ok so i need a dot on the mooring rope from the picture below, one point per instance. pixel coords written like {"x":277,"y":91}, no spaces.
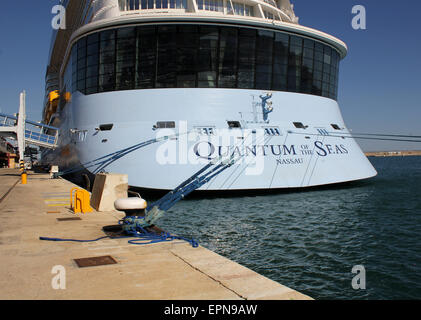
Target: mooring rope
{"x":103,"y":161}
{"x":142,"y":237}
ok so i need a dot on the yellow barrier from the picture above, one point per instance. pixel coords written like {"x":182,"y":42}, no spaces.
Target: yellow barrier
{"x":24,"y":177}
{"x":80,"y":202}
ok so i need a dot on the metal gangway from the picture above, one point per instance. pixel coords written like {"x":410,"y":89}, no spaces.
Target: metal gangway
{"x":27,"y":132}
{"x":35,"y":133}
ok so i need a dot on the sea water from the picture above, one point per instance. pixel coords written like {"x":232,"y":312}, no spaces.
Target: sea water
{"x":311,"y":241}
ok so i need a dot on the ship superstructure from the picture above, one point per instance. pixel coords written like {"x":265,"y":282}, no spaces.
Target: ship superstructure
{"x":221,"y":78}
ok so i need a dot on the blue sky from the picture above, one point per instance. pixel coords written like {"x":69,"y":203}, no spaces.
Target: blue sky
{"x":380,"y":83}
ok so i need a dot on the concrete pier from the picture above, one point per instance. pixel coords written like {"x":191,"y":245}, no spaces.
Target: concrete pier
{"x":394,"y":153}
{"x":164,"y":271}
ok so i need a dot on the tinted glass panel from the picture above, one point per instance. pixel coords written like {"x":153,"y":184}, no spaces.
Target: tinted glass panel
{"x":207,"y":61}
{"x":264,"y":57}
{"x":167,"y":57}
{"x":125,"y":58}
{"x":146,"y":57}
{"x":294,"y":64}
{"x":190,"y":56}
{"x":246,"y":58}
{"x":228,"y":44}
{"x":187,"y":50}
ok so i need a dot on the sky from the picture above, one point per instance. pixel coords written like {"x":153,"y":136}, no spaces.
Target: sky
{"x":379,"y":81}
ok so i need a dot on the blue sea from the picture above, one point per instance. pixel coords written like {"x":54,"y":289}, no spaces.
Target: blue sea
{"x":310,"y":241}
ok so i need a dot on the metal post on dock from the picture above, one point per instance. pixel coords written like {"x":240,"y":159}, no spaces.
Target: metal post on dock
{"x":21,"y":127}
{"x":24,"y":177}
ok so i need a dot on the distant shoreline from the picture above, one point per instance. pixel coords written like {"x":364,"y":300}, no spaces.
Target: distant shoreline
{"x":393,"y":154}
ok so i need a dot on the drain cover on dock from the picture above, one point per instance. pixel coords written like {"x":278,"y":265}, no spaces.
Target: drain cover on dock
{"x":94,"y":261}
{"x":69,"y":219}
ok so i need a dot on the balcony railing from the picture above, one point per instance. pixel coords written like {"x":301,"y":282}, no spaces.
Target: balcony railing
{"x":229,"y":7}
{"x":131,"y":5}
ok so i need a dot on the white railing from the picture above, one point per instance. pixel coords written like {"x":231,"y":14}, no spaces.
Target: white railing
{"x":211,"y":5}
{"x":271,"y":2}
{"x":228,"y":7}
{"x":240,"y":9}
{"x":131,"y":5}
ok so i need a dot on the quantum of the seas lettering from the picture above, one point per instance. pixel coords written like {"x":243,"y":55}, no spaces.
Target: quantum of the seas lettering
{"x":290,"y":161}
{"x":210,"y":151}
{"x":324,"y":150}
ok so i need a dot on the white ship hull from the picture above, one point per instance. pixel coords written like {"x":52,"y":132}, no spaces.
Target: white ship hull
{"x":295,"y":158}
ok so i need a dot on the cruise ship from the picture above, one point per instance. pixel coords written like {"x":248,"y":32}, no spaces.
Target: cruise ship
{"x":207,"y":79}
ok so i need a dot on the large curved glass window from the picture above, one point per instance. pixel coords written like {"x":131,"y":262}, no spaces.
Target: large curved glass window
{"x":205,"y":56}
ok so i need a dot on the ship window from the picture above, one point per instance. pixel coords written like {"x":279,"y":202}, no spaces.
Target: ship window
{"x":92,"y":84}
{"x":280,"y":62}
{"x":234,"y":124}
{"x":167,"y":58}
{"x":264,"y":54}
{"x":129,"y":5}
{"x":106,"y":78}
{"x":106,"y":68}
{"x":318,"y":47}
{"x":294,"y":64}
{"x":317,"y":87}
{"x":208,"y":131}
{"x":246,"y":58}
{"x":327,"y":55}
{"x":107,"y":43}
{"x":125,"y":58}
{"x":300,"y":125}
{"x":106,"y":127}
{"x":215,"y":5}
{"x":187,"y":48}
{"x":335,"y":126}
{"x":92,"y":49}
{"x":80,"y":85}
{"x":272,"y":131}
{"x":203,"y":56}
{"x":207,"y":61}
{"x":106,"y":83}
{"x":81,"y":48}
{"x":239,"y":8}
{"x":92,"y":53}
{"x":318,"y":56}
{"x":308,"y":44}
{"x":146,"y":57}
{"x":164,"y":125}
{"x":228,"y":58}
{"x":81,"y":63}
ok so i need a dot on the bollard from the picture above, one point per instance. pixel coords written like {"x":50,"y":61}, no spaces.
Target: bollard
{"x":24,"y":177}
{"x":80,"y":202}
{"x":53,"y":172}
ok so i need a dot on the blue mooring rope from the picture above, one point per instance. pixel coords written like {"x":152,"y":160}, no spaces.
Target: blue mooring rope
{"x":141,"y":238}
